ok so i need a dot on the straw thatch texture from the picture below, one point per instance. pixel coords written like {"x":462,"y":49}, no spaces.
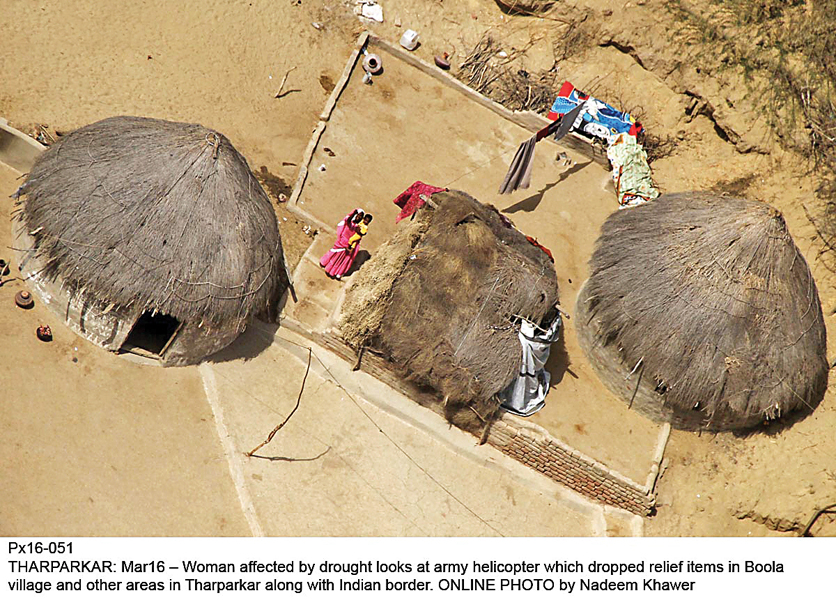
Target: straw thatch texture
{"x":526,"y":7}
{"x":710,"y":305}
{"x":147,"y":215}
{"x":438,"y":301}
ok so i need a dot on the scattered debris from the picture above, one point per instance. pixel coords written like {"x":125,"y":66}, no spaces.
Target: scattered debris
{"x":316,"y":25}
{"x":24,"y":299}
{"x":44,"y":333}
{"x":484,"y":70}
{"x":525,"y":7}
{"x":397,"y":21}
{"x":329,"y":152}
{"x":442,"y":61}
{"x":281,"y":91}
{"x":41,"y":134}
{"x":409,"y":39}
{"x":282,"y":198}
{"x":4,"y":268}
{"x":322,"y":168}
{"x":369,"y":9}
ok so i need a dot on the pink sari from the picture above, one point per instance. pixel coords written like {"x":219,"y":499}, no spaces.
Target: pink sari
{"x":338,"y":260}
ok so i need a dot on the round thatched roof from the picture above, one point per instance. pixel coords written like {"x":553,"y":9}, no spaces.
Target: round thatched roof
{"x":710,"y":305}
{"x":157,"y":215}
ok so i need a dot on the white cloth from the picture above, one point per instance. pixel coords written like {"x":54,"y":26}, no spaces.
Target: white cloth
{"x":527,"y":393}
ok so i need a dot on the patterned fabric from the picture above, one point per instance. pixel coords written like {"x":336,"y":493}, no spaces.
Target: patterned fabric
{"x":534,"y":242}
{"x":599,"y":120}
{"x":410,"y":199}
{"x":630,"y":172}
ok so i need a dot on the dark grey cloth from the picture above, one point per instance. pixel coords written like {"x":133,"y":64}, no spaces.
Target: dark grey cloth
{"x":519,"y":173}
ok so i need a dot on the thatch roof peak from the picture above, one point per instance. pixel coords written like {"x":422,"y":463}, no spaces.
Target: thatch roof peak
{"x":713,"y":300}
{"x":166,"y":216}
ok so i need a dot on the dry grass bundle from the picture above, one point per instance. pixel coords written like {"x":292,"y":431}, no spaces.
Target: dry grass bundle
{"x":488,"y":73}
{"x":526,"y":7}
{"x":439,"y":299}
{"x":164,"y":216}
{"x":702,"y":311}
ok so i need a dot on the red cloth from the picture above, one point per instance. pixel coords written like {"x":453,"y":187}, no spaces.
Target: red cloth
{"x":410,"y":200}
{"x":534,"y":242}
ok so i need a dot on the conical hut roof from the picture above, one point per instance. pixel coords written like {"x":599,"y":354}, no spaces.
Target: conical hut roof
{"x":161,"y":215}
{"x":702,"y":311}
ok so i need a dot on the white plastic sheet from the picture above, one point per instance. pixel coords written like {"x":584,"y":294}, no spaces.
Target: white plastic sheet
{"x":527,"y":393}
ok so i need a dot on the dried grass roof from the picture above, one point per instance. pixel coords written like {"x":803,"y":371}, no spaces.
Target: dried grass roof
{"x":165,"y":216}
{"x":437,"y":299}
{"x":718,"y":304}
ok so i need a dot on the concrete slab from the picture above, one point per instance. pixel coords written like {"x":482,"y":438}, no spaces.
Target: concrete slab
{"x":344,"y":466}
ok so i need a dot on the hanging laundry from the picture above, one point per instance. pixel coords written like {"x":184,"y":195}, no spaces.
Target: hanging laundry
{"x":519,"y":173}
{"x":410,"y":199}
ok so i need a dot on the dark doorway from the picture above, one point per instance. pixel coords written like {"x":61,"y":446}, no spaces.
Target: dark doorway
{"x":152,"y":333}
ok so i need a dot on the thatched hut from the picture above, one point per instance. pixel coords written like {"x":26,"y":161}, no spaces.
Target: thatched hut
{"x":442,"y":300}
{"x":701,"y":311}
{"x":150,"y":235}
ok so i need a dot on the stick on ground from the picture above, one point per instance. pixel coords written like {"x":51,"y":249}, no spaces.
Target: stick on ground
{"x":287,"y":418}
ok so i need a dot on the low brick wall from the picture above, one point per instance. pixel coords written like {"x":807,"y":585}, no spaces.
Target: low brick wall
{"x":567,"y":466}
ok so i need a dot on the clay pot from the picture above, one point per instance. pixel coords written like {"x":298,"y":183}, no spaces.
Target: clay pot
{"x":24,"y":299}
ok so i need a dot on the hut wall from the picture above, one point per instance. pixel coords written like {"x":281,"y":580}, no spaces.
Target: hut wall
{"x":646,"y":401}
{"x":82,"y":314}
{"x":87,"y":317}
{"x":17,"y":149}
{"x":192,"y":344}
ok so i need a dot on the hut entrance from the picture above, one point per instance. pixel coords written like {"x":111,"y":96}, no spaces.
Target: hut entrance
{"x":151,"y":334}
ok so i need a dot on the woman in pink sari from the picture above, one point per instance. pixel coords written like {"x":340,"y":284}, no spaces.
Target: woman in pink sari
{"x":338,"y":260}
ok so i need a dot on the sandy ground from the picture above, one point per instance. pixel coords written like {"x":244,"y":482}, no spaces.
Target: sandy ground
{"x":379,"y":149}
{"x":219,"y":63}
